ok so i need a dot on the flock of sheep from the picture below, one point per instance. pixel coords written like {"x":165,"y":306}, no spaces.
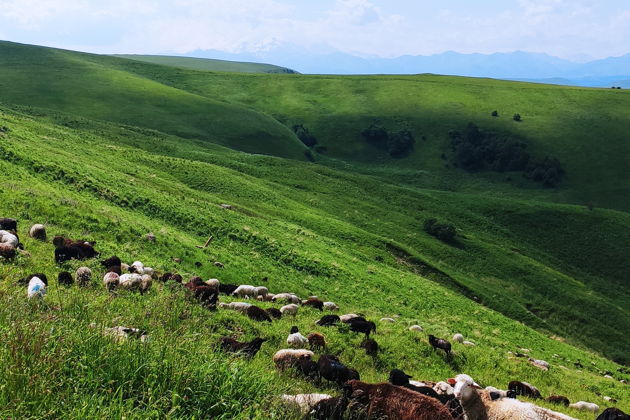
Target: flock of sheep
{"x":401,"y":398}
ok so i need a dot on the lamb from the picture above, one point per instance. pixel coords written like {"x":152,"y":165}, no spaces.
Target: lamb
{"x":64,"y":278}
{"x":392,"y":402}
{"x":84,"y":276}
{"x":295,"y":339}
{"x":304,"y":402}
{"x":332,"y":369}
{"x":36,"y":288}
{"x":67,"y":249}
{"x":111,"y":280}
{"x":249,"y":349}
{"x":245,"y":290}
{"x":213,"y":283}
{"x":291,"y":309}
{"x":9,"y":238}
{"x":365,"y":327}
{"x":371,"y":346}
{"x":257,"y":314}
{"x":227,"y":289}
{"x":525,"y":389}
{"x":287,"y":358}
{"x":136,"y":267}
{"x":331,"y":306}
{"x":314,"y":303}
{"x":288,"y":297}
{"x":612,"y":413}
{"x":540,"y":364}
{"x":585,"y":406}
{"x":481,"y":406}
{"x":266,"y":298}
{"x":7,"y":251}
{"x":112,"y":261}
{"x":416,"y":328}
{"x":145,"y":283}
{"x":38,"y":232}
{"x":26,"y":280}
{"x":8,"y":224}
{"x":468,"y":343}
{"x":388,"y":320}
{"x":347,"y":317}
{"x":559,"y":399}
{"x":261,"y":291}
{"x":316,"y":341}
{"x":274,"y":313}
{"x":459,"y":338}
{"x":239,"y":306}
{"x":328,"y":320}
{"x":440,"y":343}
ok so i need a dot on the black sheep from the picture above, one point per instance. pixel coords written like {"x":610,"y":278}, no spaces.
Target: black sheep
{"x":612,"y":413}
{"x":314,"y":303}
{"x":274,"y":313}
{"x":24,"y":281}
{"x":227,"y":289}
{"x":355,"y":319}
{"x":166,"y":277}
{"x":556,"y":399}
{"x":249,"y":349}
{"x":308,"y":368}
{"x":328,"y":320}
{"x":114,"y":269}
{"x":111,"y":262}
{"x":328,"y":409}
{"x":440,"y":343}
{"x":365,"y":327}
{"x":65,"y":278}
{"x":8,"y":224}
{"x":525,"y":389}
{"x":332,"y":369}
{"x":257,"y":314}
{"x":371,"y":346}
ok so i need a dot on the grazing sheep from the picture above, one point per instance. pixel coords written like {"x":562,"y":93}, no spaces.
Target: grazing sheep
{"x":137,"y":267}
{"x":7,"y":251}
{"x":149,"y":271}
{"x":249,"y":349}
{"x":274,"y":313}
{"x":458,"y":338}
{"x":329,"y":409}
{"x":375,"y":401}
{"x":124,"y":267}
{"x":314,"y":303}
{"x":559,"y":399}
{"x":257,"y":314}
{"x":239,"y":306}
{"x":130,"y":281}
{"x":316,"y":341}
{"x":612,"y":413}
{"x":479,"y":405}
{"x":8,"y":224}
{"x":9,"y":238}
{"x":331,"y":369}
{"x":295,"y":339}
{"x":114,"y":269}
{"x":227,"y":289}
{"x":440,"y":343}
{"x":145,"y":283}
{"x":112,"y":261}
{"x":110,"y":280}
{"x":261,"y":291}
{"x":365,"y":327}
{"x":213,"y":283}
{"x":25,"y":281}
{"x":328,"y":320}
{"x":266,"y":298}
{"x":36,"y":288}
{"x":387,"y":320}
{"x":540,"y":364}
{"x":67,"y":249}
{"x":244,"y":290}
{"x":38,"y":232}
{"x":83,"y":276}
{"x":347,"y":317}
{"x":64,"y":278}
{"x":331,"y":306}
{"x":287,"y":297}
{"x":399,"y":378}
{"x":443,"y":388}
{"x":291,"y":309}
{"x":496,"y":393}
{"x":287,"y":358}
{"x":371,"y":346}
{"x":304,"y":402}
{"x":417,"y":328}
{"x":525,"y":389}
{"x":468,"y":343}
{"x":585,"y":406}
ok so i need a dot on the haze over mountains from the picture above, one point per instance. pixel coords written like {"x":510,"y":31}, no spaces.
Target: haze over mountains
{"x":518,"y":65}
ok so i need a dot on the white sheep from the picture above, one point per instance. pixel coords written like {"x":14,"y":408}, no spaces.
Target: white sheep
{"x":124,"y":267}
{"x":443,"y":388}
{"x":244,"y":290}
{"x":138,"y":267}
{"x":304,"y":402}
{"x":130,"y":281}
{"x":286,"y":358}
{"x":388,"y":320}
{"x":289,"y":297}
{"x":458,"y":338}
{"x":36,"y":288}
{"x":347,"y":317}
{"x":585,"y":406}
{"x":110,"y":280}
{"x":239,"y":306}
{"x":38,"y":232}
{"x":266,"y":298}
{"x":290,"y":309}
{"x":149,"y":271}
{"x":500,"y":392}
{"x":540,"y":364}
{"x":145,"y":282}
{"x":83,"y":276}
{"x":9,"y":238}
{"x":417,"y":328}
{"x":468,"y":343}
{"x":296,"y":340}
{"x":331,"y":306}
{"x":260,"y":291}
{"x":213,"y":283}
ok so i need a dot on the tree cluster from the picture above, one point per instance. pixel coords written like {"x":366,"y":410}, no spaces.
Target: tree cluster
{"x":398,"y":143}
{"x":304,"y":135}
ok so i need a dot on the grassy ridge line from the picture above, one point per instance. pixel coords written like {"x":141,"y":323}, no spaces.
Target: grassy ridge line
{"x":506,"y":273}
{"x":76,"y":83}
{"x":207,"y":64}
{"x":85,"y":372}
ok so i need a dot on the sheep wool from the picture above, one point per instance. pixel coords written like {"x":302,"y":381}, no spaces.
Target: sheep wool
{"x":297,"y":340}
{"x":110,"y":280}
{"x":458,"y":338}
{"x":304,"y":402}
{"x":585,"y":406}
{"x":38,"y":232}
{"x":331,"y":306}
{"x":286,"y":358}
{"x":291,"y":309}
{"x":83,"y":276}
{"x":36,"y":288}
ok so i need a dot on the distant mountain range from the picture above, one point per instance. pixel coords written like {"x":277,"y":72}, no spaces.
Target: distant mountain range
{"x":518,"y":65}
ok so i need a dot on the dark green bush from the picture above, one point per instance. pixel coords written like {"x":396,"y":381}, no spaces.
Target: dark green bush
{"x":401,"y":143}
{"x":495,"y":113}
{"x":443,"y":231}
{"x":304,"y":135}
{"x":517,"y":117}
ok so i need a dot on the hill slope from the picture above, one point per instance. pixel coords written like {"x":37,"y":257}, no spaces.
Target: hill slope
{"x":302,"y":227}
{"x":208,"y":64}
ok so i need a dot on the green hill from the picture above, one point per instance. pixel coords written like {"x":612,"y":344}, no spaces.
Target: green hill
{"x":208,"y":64}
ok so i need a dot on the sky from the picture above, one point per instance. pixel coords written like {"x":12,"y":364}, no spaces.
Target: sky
{"x":579,"y":30}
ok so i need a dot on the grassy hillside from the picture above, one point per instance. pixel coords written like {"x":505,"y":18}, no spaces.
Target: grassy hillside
{"x":208,"y":64}
{"x":305,"y":228}
{"x":76,"y":83}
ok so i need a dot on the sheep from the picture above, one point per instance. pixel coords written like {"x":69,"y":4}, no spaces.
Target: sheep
{"x":36,"y":288}
{"x":331,"y":306}
{"x":295,"y":339}
{"x":227,"y":289}
{"x":83,"y":276}
{"x":26,"y":280}
{"x":112,"y":261}
{"x":287,"y":358}
{"x":8,"y":224}
{"x":540,"y":364}
{"x":399,"y":378}
{"x":500,"y":393}
{"x":468,"y":343}
{"x":145,"y":283}
{"x":288,"y":297}
{"x":612,"y":413}
{"x":130,"y":281}
{"x":316,"y":341}
{"x":329,"y":409}
{"x":365,"y":327}
{"x":525,"y":389}
{"x":440,"y":343}
{"x":481,"y":406}
{"x":314,"y":303}
{"x":387,"y":320}
{"x":392,"y":402}
{"x":442,"y":388}
{"x":137,"y":267}
{"x":331,"y":369}
{"x":38,"y":232}
{"x":304,"y":402}
{"x":328,"y":320}
{"x":239,"y":306}
{"x":291,"y":309}
{"x":257,"y":314}
{"x":266,"y":298}
{"x":149,"y":271}
{"x":67,"y":249}
{"x":458,"y":338}
{"x":124,"y":267}
{"x":249,"y":349}
{"x":111,"y":280}
{"x":64,"y":278}
{"x":416,"y":328}
{"x":213,"y":283}
{"x":7,"y":251}
{"x":244,"y":290}
{"x":261,"y":291}
{"x":585,"y":406}
{"x":347,"y":317}
{"x":274,"y":313}
{"x":9,"y":238}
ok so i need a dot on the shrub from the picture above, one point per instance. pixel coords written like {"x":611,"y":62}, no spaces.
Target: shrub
{"x":443,"y":231}
{"x":495,"y":113}
{"x":517,"y":117}
{"x":401,"y":143}
{"x":304,"y":135}
{"x":375,"y":133}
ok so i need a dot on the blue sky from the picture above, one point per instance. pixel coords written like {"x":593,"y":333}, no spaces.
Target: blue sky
{"x":574,"y":29}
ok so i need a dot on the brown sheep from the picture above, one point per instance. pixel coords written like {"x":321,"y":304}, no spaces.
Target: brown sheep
{"x":392,"y":402}
{"x":287,"y":358}
{"x":257,"y":314}
{"x":559,"y":399}
{"x":314,"y":303}
{"x":7,"y":251}
{"x":371,"y":346}
{"x":8,"y":224}
{"x":274,"y":313}
{"x":249,"y":349}
{"x":316,"y":341}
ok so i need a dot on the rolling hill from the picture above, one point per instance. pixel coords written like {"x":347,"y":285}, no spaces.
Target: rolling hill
{"x":107,"y":148}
